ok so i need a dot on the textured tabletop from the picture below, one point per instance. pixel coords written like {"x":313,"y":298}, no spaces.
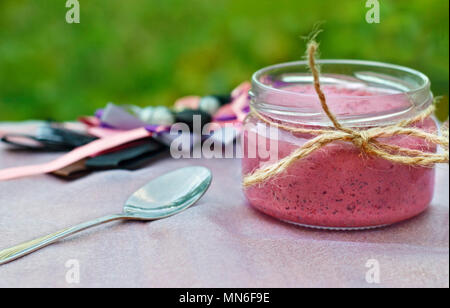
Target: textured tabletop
{"x":220,"y":242}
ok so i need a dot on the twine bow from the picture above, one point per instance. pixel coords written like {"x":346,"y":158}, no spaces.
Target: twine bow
{"x":366,"y":140}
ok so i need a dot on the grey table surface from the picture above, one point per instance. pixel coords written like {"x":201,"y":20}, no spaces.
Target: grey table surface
{"x":220,"y":242}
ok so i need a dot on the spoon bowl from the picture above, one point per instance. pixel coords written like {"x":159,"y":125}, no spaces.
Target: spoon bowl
{"x":169,"y":194}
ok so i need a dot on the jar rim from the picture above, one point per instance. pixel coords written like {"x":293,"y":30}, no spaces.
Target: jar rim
{"x":257,"y":74}
{"x":419,"y":92}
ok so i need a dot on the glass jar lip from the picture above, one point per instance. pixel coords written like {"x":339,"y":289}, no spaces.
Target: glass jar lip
{"x":255,"y":78}
{"x":420,"y":92}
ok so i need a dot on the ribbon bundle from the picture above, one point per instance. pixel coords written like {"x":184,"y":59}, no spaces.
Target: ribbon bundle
{"x":115,"y":131}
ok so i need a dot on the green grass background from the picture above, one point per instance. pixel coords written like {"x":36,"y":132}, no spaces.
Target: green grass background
{"x":150,"y":52}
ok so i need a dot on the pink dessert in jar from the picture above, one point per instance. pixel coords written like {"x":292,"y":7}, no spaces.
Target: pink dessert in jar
{"x":338,"y":186}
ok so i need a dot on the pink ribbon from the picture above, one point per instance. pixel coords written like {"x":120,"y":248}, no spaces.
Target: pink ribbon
{"x":78,"y":154}
{"x":234,"y":110}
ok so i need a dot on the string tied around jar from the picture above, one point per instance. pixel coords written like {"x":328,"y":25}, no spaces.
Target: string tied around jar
{"x":367,"y":140}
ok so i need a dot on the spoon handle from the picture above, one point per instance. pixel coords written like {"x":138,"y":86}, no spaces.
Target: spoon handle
{"x":24,"y":249}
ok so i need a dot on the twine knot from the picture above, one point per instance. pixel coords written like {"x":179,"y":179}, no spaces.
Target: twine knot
{"x":361,"y":139}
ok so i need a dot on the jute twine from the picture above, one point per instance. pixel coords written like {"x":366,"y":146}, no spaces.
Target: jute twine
{"x":366,"y":140}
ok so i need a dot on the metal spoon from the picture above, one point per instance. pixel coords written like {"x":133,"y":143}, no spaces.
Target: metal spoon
{"x":163,"y":197}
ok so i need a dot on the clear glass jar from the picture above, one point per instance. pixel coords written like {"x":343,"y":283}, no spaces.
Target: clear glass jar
{"x":338,"y":186}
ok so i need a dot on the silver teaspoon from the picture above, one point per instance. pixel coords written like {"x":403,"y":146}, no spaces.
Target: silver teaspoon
{"x":163,"y":197}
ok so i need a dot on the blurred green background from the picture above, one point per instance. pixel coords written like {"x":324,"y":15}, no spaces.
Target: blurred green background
{"x":154,"y":51}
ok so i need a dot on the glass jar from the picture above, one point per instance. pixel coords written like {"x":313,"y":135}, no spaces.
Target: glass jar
{"x":337,"y":186}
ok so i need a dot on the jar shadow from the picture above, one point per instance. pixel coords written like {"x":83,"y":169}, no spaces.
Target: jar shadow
{"x":428,"y":229}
